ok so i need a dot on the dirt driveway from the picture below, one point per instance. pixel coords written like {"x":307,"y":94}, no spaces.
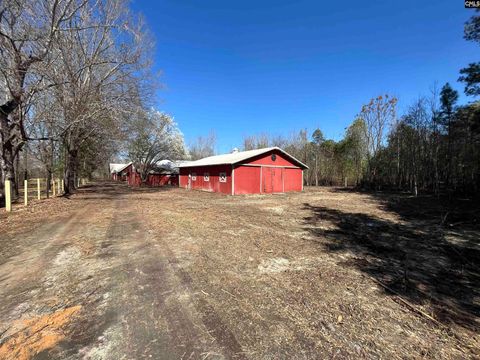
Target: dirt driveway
{"x":119,"y":273}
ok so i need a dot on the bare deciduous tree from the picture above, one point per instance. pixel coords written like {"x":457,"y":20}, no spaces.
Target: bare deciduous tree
{"x":203,"y":146}
{"x":378,"y":115}
{"x":154,"y":136}
{"x":27,"y":33}
{"x":100,"y":69}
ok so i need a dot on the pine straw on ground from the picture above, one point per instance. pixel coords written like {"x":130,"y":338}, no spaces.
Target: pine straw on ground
{"x":294,"y":276}
{"x":300,"y":275}
{"x":37,"y":211}
{"x":28,"y":337}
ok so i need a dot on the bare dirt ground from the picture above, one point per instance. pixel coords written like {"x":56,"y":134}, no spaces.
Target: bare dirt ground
{"x":119,"y":273}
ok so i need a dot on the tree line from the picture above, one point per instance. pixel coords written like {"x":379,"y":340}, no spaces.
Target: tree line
{"x":434,"y":146}
{"x":75,"y":89}
{"x":75,"y":82}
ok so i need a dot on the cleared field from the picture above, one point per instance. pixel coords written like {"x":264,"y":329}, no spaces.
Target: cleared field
{"x":172,"y":274}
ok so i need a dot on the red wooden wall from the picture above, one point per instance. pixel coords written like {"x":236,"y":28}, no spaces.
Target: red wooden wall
{"x":199,"y":182}
{"x":266,"y":159}
{"x":267,"y":175}
{"x":247,"y":180}
{"x":127,"y":171}
{"x":293,"y":180}
{"x":257,"y":175}
{"x":134,"y":179}
{"x":272,"y":179}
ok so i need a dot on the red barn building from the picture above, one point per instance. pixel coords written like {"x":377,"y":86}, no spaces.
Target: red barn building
{"x":261,"y":171}
{"x":164,"y":173}
{"x":120,"y":172}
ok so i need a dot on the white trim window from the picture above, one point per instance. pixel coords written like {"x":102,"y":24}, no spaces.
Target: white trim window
{"x":206,"y":177}
{"x":194,"y":176}
{"x":222,"y":177}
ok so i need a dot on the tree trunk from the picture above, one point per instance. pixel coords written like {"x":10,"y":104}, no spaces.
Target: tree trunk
{"x":397,"y":180}
{"x":1,"y":185}
{"x":415,"y":180}
{"x":8,"y":149}
{"x":437,"y":177}
{"x":7,"y":160}
{"x":50,"y":167}
{"x":415,"y":186}
{"x":69,"y":172}
{"x":49,"y":182}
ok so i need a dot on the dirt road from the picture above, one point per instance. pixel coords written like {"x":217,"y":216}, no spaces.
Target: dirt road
{"x":116,"y":273}
{"x":103,"y":261}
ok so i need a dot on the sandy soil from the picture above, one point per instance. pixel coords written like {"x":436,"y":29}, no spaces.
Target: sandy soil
{"x":119,"y":273}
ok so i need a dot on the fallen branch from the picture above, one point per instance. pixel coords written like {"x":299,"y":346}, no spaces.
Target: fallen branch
{"x":444,"y":218}
{"x":457,"y":223}
{"x":229,"y":293}
{"x":408,"y":303}
{"x":3,"y":332}
{"x":91,"y":293}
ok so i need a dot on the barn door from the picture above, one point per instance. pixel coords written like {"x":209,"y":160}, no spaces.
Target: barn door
{"x":272,"y":180}
{"x":267,"y":180}
{"x":277,"y":180}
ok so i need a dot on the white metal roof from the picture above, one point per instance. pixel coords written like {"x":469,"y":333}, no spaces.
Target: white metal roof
{"x":169,"y":166}
{"x":236,"y":157}
{"x":179,"y":163}
{"x":116,"y":168}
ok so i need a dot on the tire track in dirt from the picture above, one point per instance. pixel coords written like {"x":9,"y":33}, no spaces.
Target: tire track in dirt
{"x":210,"y":317}
{"x":137,"y":302}
{"x":10,"y":246}
{"x":34,"y":297}
{"x":155,"y":308}
{"x":32,"y":263}
{"x":78,"y":258}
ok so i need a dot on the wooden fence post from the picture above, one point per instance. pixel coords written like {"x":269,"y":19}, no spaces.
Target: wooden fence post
{"x":8,"y":195}
{"x":53,"y":187}
{"x":58,"y":187}
{"x":25,"y":192}
{"x":63,"y":187}
{"x":38,"y":189}
{"x":78,"y":182}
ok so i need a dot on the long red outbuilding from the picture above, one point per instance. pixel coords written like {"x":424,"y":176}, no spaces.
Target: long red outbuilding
{"x":268,"y":170}
{"x":127,"y":173}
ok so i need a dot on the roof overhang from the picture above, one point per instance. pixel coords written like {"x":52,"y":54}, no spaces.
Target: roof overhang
{"x":120,"y":168}
{"x":205,"y":162}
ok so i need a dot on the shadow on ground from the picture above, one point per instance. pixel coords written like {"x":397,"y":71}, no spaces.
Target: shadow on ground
{"x":109,"y":190}
{"x":445,"y":210}
{"x":418,"y":259}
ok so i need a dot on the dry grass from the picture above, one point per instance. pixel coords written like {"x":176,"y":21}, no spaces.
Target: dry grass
{"x":295,"y":276}
{"x":270,"y":267}
{"x":38,"y":211}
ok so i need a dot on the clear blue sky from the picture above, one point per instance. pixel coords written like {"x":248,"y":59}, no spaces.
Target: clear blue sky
{"x":246,"y":67}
